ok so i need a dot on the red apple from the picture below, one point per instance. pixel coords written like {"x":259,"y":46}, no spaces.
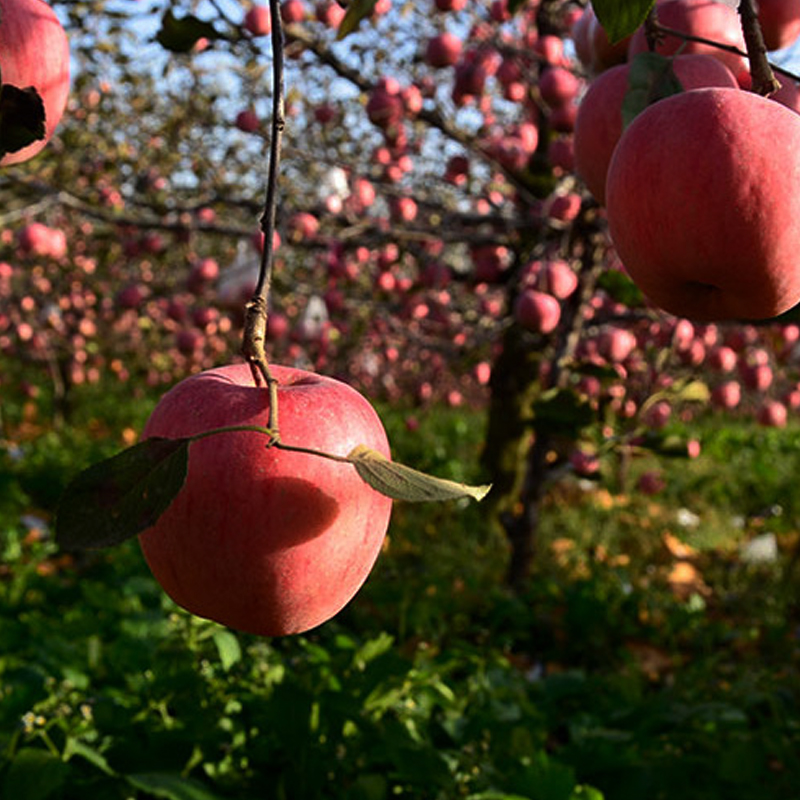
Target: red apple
{"x":450,"y":5}
{"x":706,"y":19}
{"x":35,"y":52}
{"x":247,"y":121}
{"x":37,"y":239}
{"x":558,"y":86}
{"x":558,"y":278}
{"x":692,"y":211}
{"x":773,"y":414}
{"x":329,"y":13}
{"x":537,"y":311}
{"x":443,"y":50}
{"x":727,"y":395}
{"x":598,"y":125}
{"x":258,"y":21}
{"x":293,"y":11}
{"x":263,"y":540}
{"x":616,"y":344}
{"x":780,"y":22}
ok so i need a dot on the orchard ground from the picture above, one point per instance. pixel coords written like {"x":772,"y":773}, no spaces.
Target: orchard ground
{"x":654,"y":652}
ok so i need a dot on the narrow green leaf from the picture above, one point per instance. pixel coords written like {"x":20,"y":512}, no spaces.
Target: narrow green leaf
{"x":180,"y":35}
{"x":356,"y":11}
{"x":22,"y":118}
{"x":404,"y":483}
{"x":651,"y":79}
{"x":170,"y":786}
{"x":75,"y":747}
{"x":620,"y":18}
{"x":122,"y":496}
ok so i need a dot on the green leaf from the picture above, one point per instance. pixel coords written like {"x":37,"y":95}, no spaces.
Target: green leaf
{"x":584,"y":792}
{"x":515,"y":5}
{"x":170,"y":786}
{"x":620,"y":286}
{"x":404,"y":483}
{"x":651,"y":78}
{"x":620,"y":18}
{"x":228,"y":647}
{"x":120,"y":497}
{"x":22,"y":118}
{"x":356,"y":11}
{"x":562,"y":412}
{"x":693,"y":392}
{"x":75,"y":747}
{"x":34,"y":774}
{"x":181,"y":35}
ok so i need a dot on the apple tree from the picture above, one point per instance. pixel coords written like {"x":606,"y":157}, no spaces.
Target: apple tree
{"x":438,"y":235}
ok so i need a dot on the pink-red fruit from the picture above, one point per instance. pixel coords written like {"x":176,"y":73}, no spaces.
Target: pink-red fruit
{"x":263,"y":540}
{"x":258,"y":20}
{"x":599,"y":122}
{"x":705,"y":19}
{"x":703,"y":204}
{"x":780,"y":22}
{"x":34,"y":51}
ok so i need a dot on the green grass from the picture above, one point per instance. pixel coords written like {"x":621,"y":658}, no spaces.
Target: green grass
{"x":436,"y":682}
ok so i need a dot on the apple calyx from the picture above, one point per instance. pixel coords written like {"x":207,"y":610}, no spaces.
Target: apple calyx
{"x":122,"y":496}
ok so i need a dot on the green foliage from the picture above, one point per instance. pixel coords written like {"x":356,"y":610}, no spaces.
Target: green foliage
{"x":620,"y":18}
{"x":357,"y":10}
{"x":652,"y":78}
{"x":595,"y":681}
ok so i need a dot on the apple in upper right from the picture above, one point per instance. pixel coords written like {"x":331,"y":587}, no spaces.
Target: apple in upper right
{"x":703,"y":207}
{"x":704,"y":19}
{"x":599,"y":122}
{"x":34,"y":52}
{"x":780,"y":22}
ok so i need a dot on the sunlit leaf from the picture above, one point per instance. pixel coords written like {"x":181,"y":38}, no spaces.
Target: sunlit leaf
{"x":120,"y":497}
{"x":620,"y":18}
{"x":404,"y":483}
{"x":357,"y":10}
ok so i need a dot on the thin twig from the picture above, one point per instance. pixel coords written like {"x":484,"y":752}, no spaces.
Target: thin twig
{"x":764,"y":82}
{"x":256,"y":310}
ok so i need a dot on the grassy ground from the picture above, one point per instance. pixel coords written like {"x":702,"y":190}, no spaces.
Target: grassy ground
{"x":646,"y":659}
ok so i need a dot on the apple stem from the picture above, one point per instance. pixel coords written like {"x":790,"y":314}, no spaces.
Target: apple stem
{"x":256,"y":309}
{"x":764,"y":81}
{"x":274,"y":439}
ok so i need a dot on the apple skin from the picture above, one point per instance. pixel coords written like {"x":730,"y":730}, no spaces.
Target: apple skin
{"x":258,"y":20}
{"x":598,"y":125}
{"x":443,"y":50}
{"x":780,"y":22}
{"x":702,"y":204}
{"x":707,"y":19}
{"x":266,"y":541}
{"x":35,"y":52}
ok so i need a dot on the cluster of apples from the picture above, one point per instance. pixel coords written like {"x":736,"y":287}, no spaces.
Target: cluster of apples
{"x":700,"y":188}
